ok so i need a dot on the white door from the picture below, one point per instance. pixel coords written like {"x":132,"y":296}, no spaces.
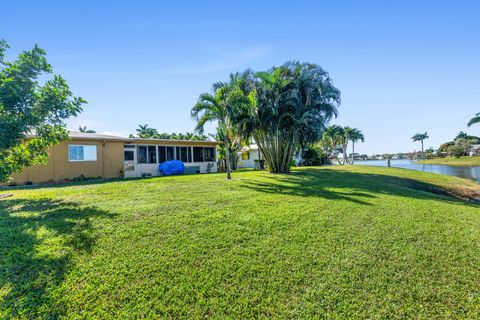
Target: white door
{"x":129,"y":157}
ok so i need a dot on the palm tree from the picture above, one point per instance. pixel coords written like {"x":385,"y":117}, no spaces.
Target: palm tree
{"x":355,"y":136}
{"x":420,"y":137}
{"x":290,"y":108}
{"x":475,"y":119}
{"x":347,"y":132}
{"x":332,"y":140}
{"x":220,"y":106}
{"x":84,"y":129}
{"x":144,"y":131}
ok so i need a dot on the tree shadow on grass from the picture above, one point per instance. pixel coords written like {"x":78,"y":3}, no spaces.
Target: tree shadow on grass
{"x":350,"y":186}
{"x":38,"y":239}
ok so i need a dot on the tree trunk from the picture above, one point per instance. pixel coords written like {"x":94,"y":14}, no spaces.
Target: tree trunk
{"x":423,"y":154}
{"x":345,"y":156}
{"x":227,"y":159}
{"x":353,"y":150}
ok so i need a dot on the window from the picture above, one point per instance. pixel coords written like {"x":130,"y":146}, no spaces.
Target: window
{"x":146,"y":154}
{"x":128,"y":155}
{"x":197,"y":154}
{"x":208,"y":154}
{"x":170,"y":153}
{"x":142,"y":154}
{"x":82,"y":152}
{"x":162,"y":155}
{"x":183,"y":154}
{"x":201,"y":154}
{"x":246,"y":156}
{"x":152,"y":154}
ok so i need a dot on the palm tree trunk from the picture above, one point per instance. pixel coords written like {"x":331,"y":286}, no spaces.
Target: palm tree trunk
{"x":423,"y":154}
{"x":345,"y":157}
{"x":227,"y":159}
{"x":353,"y":150}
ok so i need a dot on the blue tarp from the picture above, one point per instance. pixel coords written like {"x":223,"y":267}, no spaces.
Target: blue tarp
{"x":172,"y":167}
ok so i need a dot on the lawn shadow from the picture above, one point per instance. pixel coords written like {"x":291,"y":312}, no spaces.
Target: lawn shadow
{"x":338,"y":185}
{"x":30,"y":268}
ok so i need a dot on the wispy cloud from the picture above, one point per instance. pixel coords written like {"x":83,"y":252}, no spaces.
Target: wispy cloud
{"x":226,"y":61}
{"x":218,"y":61}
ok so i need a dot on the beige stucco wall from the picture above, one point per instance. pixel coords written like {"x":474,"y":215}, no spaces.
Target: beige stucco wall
{"x":109,"y":163}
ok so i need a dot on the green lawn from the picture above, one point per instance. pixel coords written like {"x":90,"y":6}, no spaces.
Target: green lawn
{"x":462,"y":161}
{"x":332,"y":242}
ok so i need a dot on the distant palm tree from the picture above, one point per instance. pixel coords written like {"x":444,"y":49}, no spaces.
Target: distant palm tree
{"x":420,"y":137}
{"x":475,"y":119}
{"x":355,"y":136}
{"x":145,"y":132}
{"x":84,"y":129}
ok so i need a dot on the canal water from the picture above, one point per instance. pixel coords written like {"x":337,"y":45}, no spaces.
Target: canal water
{"x":472,"y":173}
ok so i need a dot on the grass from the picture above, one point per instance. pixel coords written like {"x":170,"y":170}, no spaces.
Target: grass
{"x":333,"y":242}
{"x":450,"y":161}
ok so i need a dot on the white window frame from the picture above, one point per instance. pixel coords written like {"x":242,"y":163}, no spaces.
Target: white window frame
{"x":83,"y":145}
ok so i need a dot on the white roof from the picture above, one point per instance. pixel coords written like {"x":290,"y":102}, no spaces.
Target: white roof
{"x":75,"y":135}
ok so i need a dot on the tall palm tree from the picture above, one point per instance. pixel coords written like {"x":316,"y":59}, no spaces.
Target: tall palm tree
{"x":220,"y":107}
{"x":355,"y":136}
{"x":420,"y":137}
{"x":475,"y":119}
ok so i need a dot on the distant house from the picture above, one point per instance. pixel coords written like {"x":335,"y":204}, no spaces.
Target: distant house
{"x":250,"y":153}
{"x":475,"y":150}
{"x":106,"y":156}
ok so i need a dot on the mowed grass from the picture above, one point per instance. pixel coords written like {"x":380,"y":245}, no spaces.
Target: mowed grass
{"x":332,"y":242}
{"x":451,"y":161}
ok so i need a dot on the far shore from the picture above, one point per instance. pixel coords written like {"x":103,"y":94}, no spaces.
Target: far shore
{"x":450,"y":161}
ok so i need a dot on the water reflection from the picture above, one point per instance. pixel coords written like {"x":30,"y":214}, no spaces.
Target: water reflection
{"x":472,"y":173}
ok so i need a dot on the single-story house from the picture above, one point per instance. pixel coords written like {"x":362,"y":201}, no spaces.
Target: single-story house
{"x":106,"y":156}
{"x":250,"y":153}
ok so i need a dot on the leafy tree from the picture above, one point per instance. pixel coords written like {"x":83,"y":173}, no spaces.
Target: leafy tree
{"x":290,"y":108}
{"x":314,"y":156}
{"x":31,"y":114}
{"x":84,"y":129}
{"x":420,"y":137}
{"x":463,"y":135}
{"x":460,"y":148}
{"x":475,"y":119}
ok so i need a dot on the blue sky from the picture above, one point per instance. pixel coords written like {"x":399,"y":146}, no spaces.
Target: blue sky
{"x":403,"y":67}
